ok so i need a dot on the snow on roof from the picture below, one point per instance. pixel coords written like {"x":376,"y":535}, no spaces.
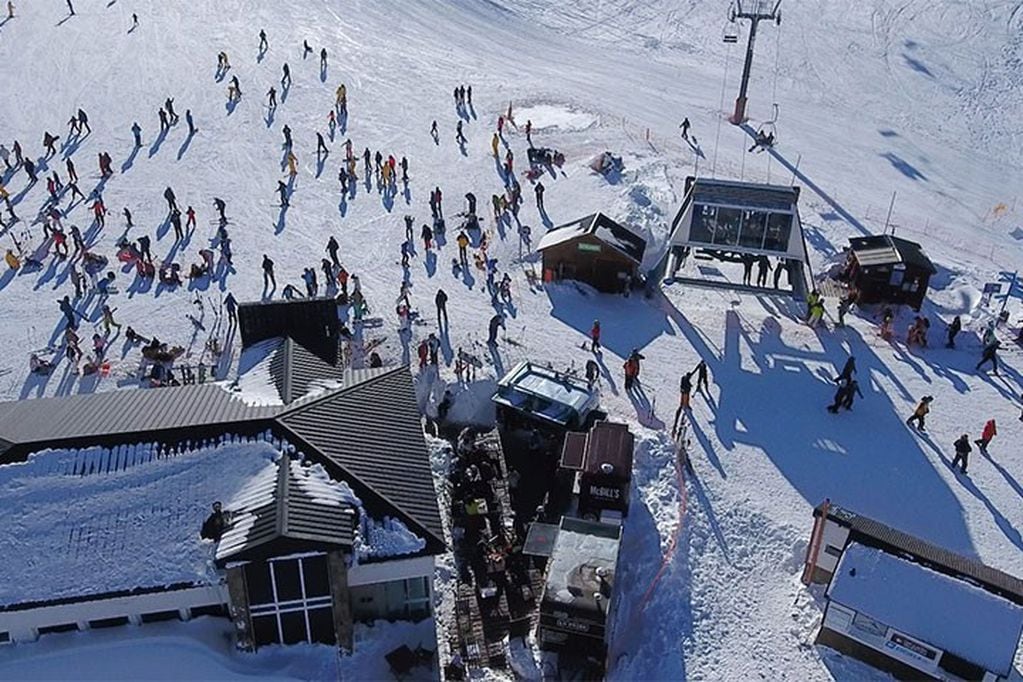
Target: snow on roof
{"x":613,"y":234}
{"x":948,"y":613}
{"x":583,"y":564}
{"x":92,"y":521}
{"x":256,"y":384}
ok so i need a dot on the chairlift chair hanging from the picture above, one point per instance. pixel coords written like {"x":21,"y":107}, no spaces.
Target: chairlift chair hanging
{"x":730,"y":34}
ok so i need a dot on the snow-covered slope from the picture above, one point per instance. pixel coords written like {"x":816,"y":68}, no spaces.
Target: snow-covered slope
{"x":915,"y":98}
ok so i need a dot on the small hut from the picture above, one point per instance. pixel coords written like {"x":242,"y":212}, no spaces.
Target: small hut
{"x":595,"y":250}
{"x":886,"y":269}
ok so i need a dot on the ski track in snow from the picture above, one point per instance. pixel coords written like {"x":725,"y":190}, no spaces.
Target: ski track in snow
{"x":911,"y":97}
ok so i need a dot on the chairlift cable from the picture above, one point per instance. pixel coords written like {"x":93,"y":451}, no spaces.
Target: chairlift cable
{"x":717,"y":134}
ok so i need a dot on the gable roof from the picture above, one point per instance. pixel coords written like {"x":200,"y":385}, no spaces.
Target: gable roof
{"x":884,"y":249}
{"x":285,"y":511}
{"x":598,"y":225}
{"x":371,"y":430}
{"x":867,"y":531}
{"x":296,"y":370}
{"x":95,"y":415}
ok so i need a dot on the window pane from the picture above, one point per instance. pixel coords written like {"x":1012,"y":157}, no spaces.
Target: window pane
{"x":779,"y":225}
{"x":264,"y":630}
{"x":257,"y":581}
{"x":754,"y":224}
{"x":728,"y":226}
{"x":419,"y":611}
{"x":321,"y":626}
{"x":293,"y":625}
{"x":395,"y":591}
{"x":704,"y":221}
{"x":416,"y":588}
{"x":314,"y":570}
{"x":287,"y":580}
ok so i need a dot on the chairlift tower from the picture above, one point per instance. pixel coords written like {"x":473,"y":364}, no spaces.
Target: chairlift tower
{"x":754,"y":11}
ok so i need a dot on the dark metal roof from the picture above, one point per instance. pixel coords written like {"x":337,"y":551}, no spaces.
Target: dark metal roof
{"x":573,"y":451}
{"x":313,"y":322}
{"x":371,"y":429}
{"x":84,"y":416}
{"x":598,"y":225}
{"x":295,"y":369}
{"x":867,"y":531}
{"x":609,"y":443}
{"x":884,"y":249}
{"x":712,"y":192}
{"x":281,"y":517}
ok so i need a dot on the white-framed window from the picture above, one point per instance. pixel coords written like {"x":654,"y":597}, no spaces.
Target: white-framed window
{"x":289,"y":601}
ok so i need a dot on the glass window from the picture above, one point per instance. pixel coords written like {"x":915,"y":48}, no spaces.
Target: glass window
{"x":257,"y":582}
{"x":314,"y":572}
{"x":779,"y":227}
{"x":321,"y":626}
{"x":754,"y":226}
{"x":727,"y":232}
{"x":704,"y":224}
{"x":416,"y":588}
{"x":293,"y":627}
{"x":286,"y":580}
{"x":264,"y":630}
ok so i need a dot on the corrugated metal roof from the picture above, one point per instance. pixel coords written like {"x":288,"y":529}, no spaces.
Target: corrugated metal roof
{"x":296,"y":370}
{"x":280,"y":516}
{"x":85,"y":416}
{"x":884,"y":249}
{"x":615,"y":235}
{"x":710,"y":192}
{"x":371,"y":429}
{"x":876,"y":534}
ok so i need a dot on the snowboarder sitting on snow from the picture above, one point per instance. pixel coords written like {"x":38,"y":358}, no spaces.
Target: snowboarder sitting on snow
{"x":38,"y":365}
{"x":963,"y":450}
{"x":920,"y":413}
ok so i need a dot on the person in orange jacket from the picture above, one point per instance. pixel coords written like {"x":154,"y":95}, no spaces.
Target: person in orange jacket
{"x":632,"y":368}
{"x":990,"y":431}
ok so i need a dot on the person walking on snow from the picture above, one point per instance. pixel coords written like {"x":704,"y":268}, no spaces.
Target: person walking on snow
{"x":595,"y":337}
{"x":268,"y":273}
{"x":496,"y":322}
{"x":169,"y":104}
{"x":685,"y":389}
{"x":172,"y":204}
{"x":684,"y":125}
{"x":990,"y":355}
{"x":963,"y":450}
{"x":220,"y":205}
{"x":539,"y":190}
{"x":427,"y":235}
{"x":441,"y":299}
{"x":292,"y":164}
{"x":701,"y":376}
{"x":332,"y":249}
{"x":191,"y":124}
{"x":262,"y":41}
{"x":190,"y":215}
{"x":631,"y":367}
{"x":323,"y":59}
{"x":847,"y":371}
{"x":989,"y":432}
{"x":459,"y":135}
{"x":321,"y":146}
{"x":282,"y":189}
{"x":164,"y":126}
{"x":136,"y":132}
{"x":463,"y":246}
{"x":953,"y":330}
{"x":920,"y":413}
{"x":495,"y":143}
{"x":271,"y":97}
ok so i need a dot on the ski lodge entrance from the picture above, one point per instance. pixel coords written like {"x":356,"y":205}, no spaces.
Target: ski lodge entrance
{"x":753,"y":226}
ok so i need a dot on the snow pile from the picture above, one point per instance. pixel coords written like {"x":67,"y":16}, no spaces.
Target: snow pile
{"x":387,"y":538}
{"x":82,"y":522}
{"x":318,"y":484}
{"x":255,"y":385}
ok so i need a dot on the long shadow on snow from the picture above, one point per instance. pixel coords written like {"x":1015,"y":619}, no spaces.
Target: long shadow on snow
{"x":865,"y":460}
{"x":624,"y":324}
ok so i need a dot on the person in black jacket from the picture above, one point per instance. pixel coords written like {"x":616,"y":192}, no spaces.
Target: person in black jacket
{"x":442,"y":307}
{"x":963,"y":451}
{"x":953,"y":331}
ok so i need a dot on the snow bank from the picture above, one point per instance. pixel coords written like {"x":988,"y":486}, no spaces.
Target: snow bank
{"x":81,"y":522}
{"x":387,"y":538}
